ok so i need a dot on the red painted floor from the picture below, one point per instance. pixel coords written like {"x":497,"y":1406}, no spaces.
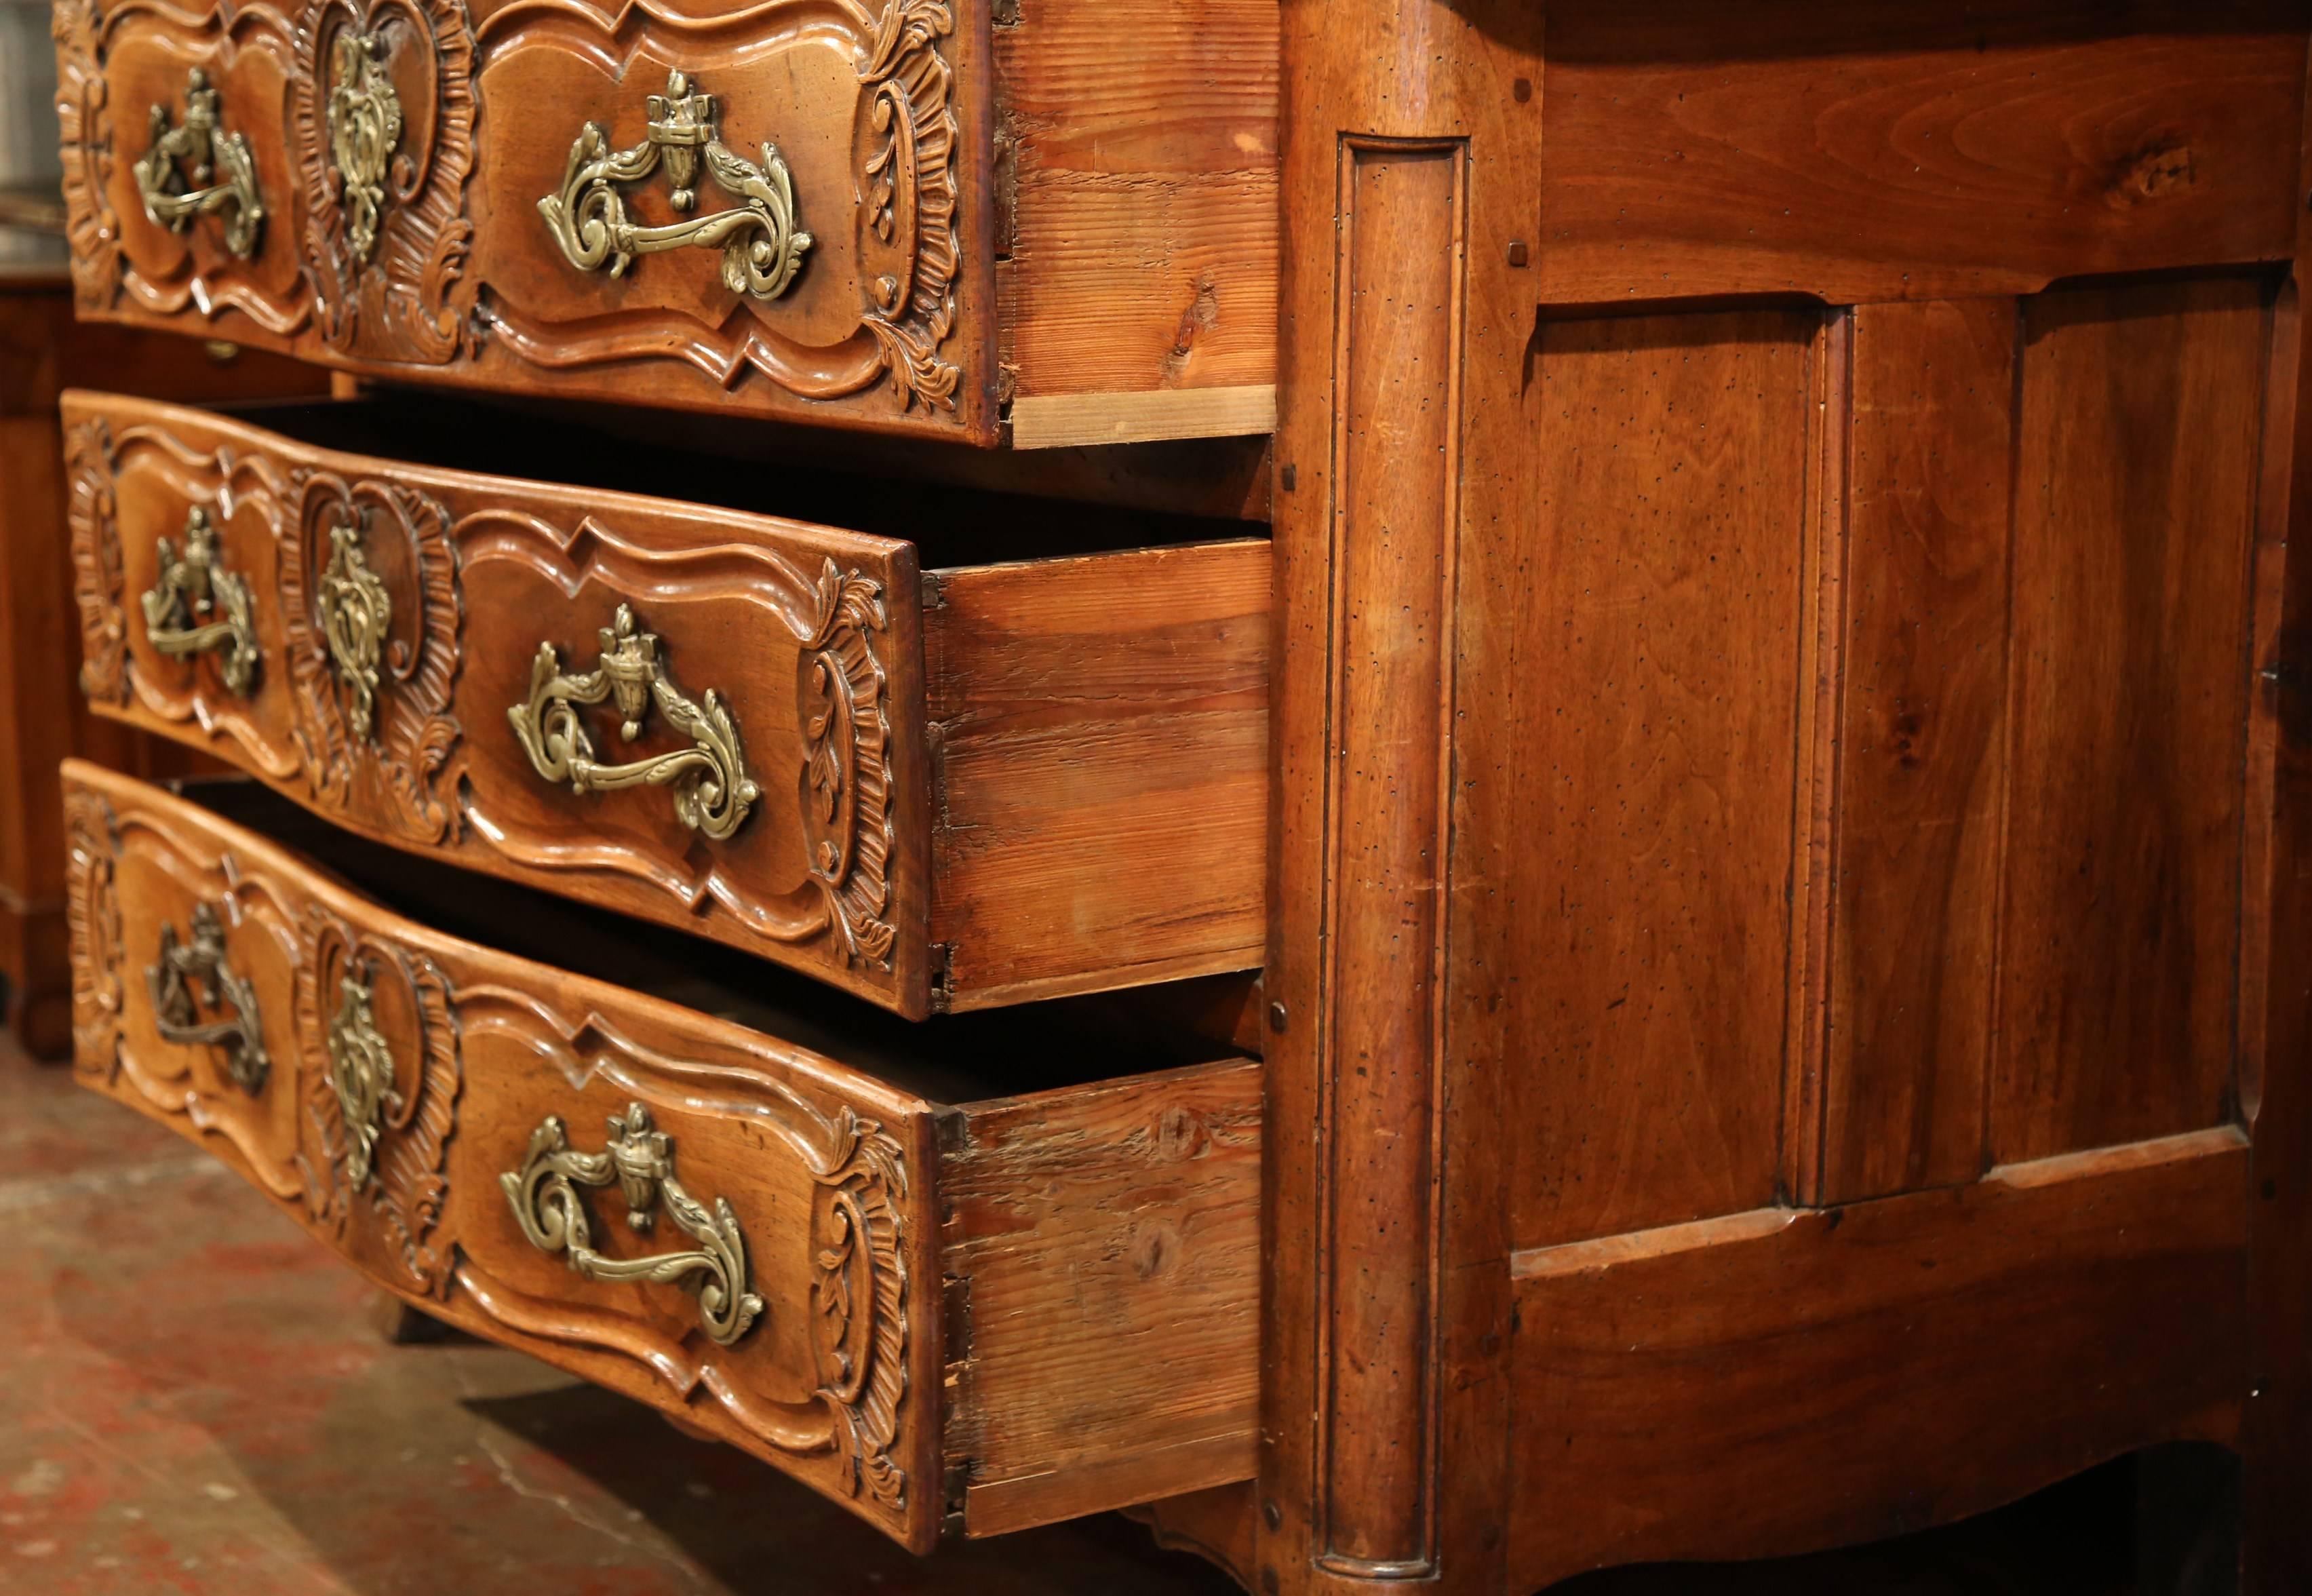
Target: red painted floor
{"x":194,"y":1399}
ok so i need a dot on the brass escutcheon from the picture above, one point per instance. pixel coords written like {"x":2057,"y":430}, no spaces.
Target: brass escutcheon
{"x":356,"y":612}
{"x":360,"y":1075}
{"x":365,"y":118}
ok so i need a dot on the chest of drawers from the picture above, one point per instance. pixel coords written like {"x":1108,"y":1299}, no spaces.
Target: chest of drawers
{"x":1761,"y":761}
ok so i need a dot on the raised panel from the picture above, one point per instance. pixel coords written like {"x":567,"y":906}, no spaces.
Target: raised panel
{"x":1648,"y":722}
{"x":1915,"y":149}
{"x":2136,"y":481}
{"x":1922,"y":752}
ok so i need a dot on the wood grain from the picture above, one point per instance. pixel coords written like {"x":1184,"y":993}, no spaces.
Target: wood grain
{"x":1649,"y":726}
{"x":1137,"y":206}
{"x":1921,"y":746}
{"x":1914,"y":150}
{"x":2137,"y":472}
{"x":1099,"y":729}
{"x":1906,"y":1361}
{"x":1102,"y":1247}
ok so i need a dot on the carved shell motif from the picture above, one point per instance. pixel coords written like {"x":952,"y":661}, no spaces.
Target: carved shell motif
{"x":375,"y":733}
{"x":385,"y":183}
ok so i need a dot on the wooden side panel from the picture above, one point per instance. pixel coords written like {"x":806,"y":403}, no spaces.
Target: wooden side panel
{"x":1099,"y":729}
{"x":1102,"y":1250}
{"x":1138,"y":215}
{"x":1901,"y":1362}
{"x":1648,"y":718}
{"x":1921,"y":746}
{"x":1912,"y":149}
{"x":498,"y":1070}
{"x":2137,"y":474}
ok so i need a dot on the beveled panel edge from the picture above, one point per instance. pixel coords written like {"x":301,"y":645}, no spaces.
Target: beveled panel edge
{"x":876,"y":924}
{"x":870,"y":1437}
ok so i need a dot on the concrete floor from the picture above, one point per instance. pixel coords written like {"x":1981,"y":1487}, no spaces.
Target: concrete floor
{"x":195,"y":1398}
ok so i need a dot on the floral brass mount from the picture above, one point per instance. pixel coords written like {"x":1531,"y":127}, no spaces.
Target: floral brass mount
{"x":356,"y":612}
{"x":712,"y":793}
{"x":198,"y":605}
{"x":640,"y":1159}
{"x":360,"y":1075}
{"x":200,"y":961}
{"x":162,"y":181}
{"x":762,"y":249}
{"x":364,"y":119}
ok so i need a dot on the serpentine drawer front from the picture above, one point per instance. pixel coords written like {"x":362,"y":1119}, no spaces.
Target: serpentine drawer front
{"x":932,"y":1314}
{"x":945,"y":790}
{"x":900,"y":215}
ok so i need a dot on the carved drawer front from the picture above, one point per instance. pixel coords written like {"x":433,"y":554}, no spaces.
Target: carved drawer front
{"x":793,"y":1253}
{"x":999,"y":782}
{"x":883,"y":214}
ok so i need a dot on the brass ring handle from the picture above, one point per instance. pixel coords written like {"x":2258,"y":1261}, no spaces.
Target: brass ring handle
{"x":223,"y":178}
{"x":356,"y":613}
{"x":198,"y":607}
{"x":640,"y":1159}
{"x":200,"y":962}
{"x":712,"y":791}
{"x":762,"y":248}
{"x":360,"y":1075}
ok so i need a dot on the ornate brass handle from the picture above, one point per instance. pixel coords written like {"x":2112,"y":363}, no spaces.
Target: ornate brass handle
{"x":712,"y":791}
{"x":360,"y":1075}
{"x":356,"y":612}
{"x":364,"y":120}
{"x":762,"y":249}
{"x":174,"y":197}
{"x":199,"y":962}
{"x":640,"y":1159}
{"x":198,"y":605}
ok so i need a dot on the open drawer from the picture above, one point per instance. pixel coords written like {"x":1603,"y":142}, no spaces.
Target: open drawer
{"x":945,"y":788}
{"x":1044,"y":222}
{"x":858,"y":1249}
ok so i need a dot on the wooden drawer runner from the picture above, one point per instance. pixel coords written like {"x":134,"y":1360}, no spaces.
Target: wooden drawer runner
{"x":938,"y":791}
{"x":972,"y":221}
{"x":992,"y":1314}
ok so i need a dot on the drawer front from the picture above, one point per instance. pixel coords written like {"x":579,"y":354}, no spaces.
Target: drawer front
{"x":775,"y":211}
{"x":710,"y":720}
{"x":735,"y":1231}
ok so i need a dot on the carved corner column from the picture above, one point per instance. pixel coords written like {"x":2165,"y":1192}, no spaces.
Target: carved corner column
{"x":1411,"y":141}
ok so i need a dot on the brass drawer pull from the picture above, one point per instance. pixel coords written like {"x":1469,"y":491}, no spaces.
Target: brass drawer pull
{"x":199,"y":962}
{"x":356,"y":613}
{"x":174,"y":197}
{"x":360,"y":1075}
{"x":198,"y":605}
{"x":762,"y":249}
{"x":712,"y":791}
{"x":640,"y":1159}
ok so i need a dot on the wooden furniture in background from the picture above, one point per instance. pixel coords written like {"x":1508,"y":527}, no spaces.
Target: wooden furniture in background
{"x":43,"y":716}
